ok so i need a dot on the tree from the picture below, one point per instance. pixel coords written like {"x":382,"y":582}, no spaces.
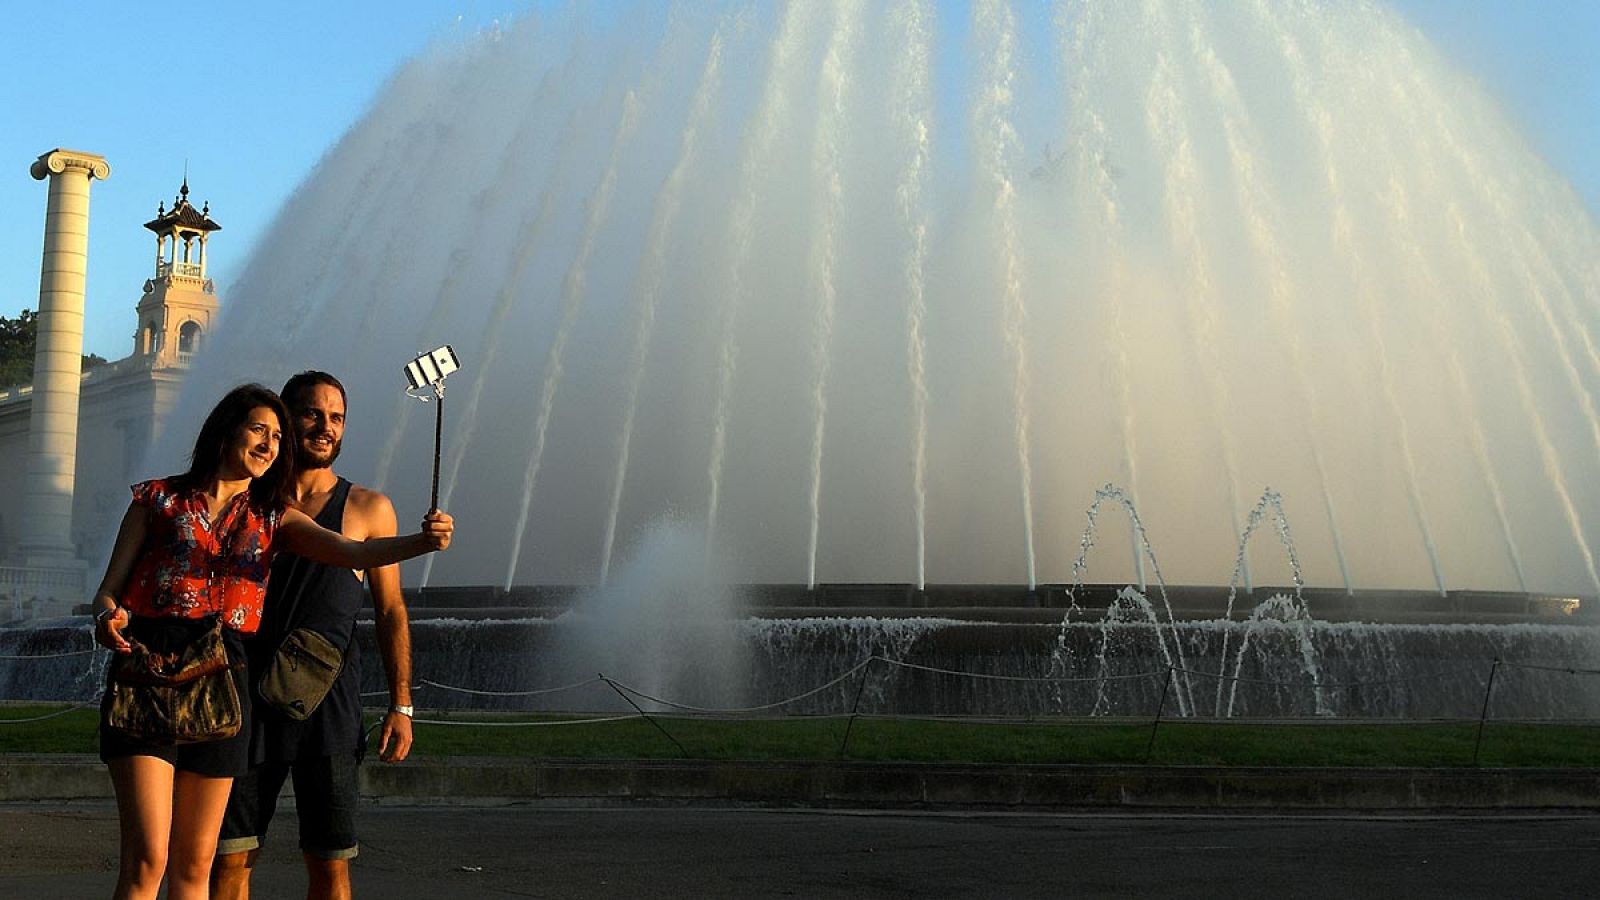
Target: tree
{"x":17,"y":339}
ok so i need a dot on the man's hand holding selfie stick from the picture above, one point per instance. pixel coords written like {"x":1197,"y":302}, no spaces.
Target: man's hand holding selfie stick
{"x":426,"y":375}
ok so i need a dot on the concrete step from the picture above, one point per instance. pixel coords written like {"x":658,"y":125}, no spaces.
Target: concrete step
{"x":489,"y":781}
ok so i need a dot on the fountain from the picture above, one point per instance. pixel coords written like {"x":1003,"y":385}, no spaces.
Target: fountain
{"x":883,"y":293}
{"x":814,"y":276}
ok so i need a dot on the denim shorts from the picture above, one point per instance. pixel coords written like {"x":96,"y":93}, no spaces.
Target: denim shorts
{"x":325,"y":796}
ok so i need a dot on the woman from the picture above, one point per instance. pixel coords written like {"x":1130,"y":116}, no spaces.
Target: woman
{"x":191,"y":548}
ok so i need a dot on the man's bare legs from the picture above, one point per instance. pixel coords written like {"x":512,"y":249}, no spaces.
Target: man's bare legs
{"x":230,"y":874}
{"x":329,"y":878}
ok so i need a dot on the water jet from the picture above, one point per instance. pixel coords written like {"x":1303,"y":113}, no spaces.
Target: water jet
{"x":793,"y":278}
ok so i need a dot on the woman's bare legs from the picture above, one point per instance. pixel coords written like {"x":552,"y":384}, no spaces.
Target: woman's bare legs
{"x":169,"y":822}
{"x":198,"y":803}
{"x":143,"y":786}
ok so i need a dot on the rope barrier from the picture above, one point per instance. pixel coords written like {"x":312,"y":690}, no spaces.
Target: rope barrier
{"x":982,"y":720}
{"x":682,"y":750}
{"x":1318,"y":684}
{"x":833,"y":683}
{"x":415,"y":687}
{"x":1046,"y":678}
{"x":533,"y":693}
{"x":743,"y":709}
{"x":672,"y":704}
{"x":57,"y":713}
{"x":1567,"y":670}
{"x":61,"y":655}
{"x":558,"y":722}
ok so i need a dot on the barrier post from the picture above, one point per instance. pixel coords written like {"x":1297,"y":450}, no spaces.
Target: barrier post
{"x":646,"y":716}
{"x":861,"y":688}
{"x":1484,"y":715}
{"x":1165,"y":686}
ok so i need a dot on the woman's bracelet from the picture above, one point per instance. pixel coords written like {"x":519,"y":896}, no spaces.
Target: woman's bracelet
{"x":106,"y":613}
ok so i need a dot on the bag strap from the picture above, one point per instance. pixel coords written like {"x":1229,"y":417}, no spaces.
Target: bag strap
{"x":341,"y":491}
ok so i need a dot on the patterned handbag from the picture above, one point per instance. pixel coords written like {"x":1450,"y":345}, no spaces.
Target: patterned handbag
{"x":182,"y":697}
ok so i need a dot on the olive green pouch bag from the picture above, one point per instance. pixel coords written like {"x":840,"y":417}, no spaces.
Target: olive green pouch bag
{"x":300,"y":673}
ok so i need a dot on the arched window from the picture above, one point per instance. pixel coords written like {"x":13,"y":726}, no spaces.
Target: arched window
{"x":189,"y":337}
{"x":147,"y":342}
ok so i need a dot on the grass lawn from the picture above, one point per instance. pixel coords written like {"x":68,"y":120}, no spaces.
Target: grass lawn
{"x":1081,"y":741}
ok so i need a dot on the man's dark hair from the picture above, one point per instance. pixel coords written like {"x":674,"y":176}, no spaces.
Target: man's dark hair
{"x":295,"y":388}
{"x":271,"y":489}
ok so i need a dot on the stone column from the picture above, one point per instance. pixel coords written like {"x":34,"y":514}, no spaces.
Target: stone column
{"x":44,"y":529}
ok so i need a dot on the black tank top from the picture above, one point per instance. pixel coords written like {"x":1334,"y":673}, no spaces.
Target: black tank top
{"x":306,"y":594}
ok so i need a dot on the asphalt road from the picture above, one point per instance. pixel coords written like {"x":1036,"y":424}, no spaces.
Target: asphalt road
{"x":69,"y":850}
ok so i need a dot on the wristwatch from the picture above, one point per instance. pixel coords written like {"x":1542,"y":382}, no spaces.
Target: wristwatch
{"x":406,"y":711}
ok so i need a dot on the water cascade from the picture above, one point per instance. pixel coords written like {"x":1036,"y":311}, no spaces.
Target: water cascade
{"x":884,"y":292}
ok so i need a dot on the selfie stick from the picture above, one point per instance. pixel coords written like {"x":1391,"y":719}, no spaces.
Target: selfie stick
{"x":427,"y":373}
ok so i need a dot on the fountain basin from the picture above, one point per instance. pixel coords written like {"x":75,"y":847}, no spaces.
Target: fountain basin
{"x":998,"y":651}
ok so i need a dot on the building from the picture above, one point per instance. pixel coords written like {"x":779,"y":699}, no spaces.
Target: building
{"x":120,"y":409}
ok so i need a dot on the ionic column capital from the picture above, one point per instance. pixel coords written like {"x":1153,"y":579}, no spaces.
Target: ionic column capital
{"x":58,"y":161}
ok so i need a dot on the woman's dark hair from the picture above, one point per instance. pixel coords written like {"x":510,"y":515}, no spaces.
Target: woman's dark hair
{"x":271,"y":489}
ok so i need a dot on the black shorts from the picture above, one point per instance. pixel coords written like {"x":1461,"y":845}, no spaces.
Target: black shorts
{"x":325,"y":796}
{"x":226,"y":758}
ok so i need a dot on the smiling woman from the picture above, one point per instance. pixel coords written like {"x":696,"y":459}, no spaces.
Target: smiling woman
{"x":186,"y":582}
{"x":256,"y":444}
{"x":241,"y":444}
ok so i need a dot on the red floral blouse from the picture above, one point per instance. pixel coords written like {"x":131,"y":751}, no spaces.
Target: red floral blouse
{"x":191,"y":567}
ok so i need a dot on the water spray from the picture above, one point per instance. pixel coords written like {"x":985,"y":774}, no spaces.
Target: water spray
{"x":427,"y":373}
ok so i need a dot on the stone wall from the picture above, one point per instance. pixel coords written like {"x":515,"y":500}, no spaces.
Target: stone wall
{"x":121,"y":409}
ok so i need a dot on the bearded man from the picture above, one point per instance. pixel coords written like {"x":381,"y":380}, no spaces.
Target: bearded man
{"x":322,"y":752}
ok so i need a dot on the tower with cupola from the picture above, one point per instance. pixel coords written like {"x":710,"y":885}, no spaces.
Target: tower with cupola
{"x":179,"y":304}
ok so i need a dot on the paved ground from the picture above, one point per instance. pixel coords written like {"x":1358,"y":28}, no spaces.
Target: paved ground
{"x":68,"y":850}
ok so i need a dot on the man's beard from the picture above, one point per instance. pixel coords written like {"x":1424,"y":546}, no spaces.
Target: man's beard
{"x":306,"y":460}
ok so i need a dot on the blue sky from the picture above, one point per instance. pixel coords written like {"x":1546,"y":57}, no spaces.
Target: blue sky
{"x":250,"y":95}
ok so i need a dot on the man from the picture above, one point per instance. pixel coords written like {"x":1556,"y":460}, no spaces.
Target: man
{"x":321,"y":753}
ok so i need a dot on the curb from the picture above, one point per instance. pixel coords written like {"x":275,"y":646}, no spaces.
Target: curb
{"x":486,"y":781}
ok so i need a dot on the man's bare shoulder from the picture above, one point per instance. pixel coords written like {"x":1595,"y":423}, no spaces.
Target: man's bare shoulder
{"x":366,"y":497}
{"x":372,"y":509}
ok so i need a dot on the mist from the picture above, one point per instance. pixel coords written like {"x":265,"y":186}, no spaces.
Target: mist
{"x":885,"y":292}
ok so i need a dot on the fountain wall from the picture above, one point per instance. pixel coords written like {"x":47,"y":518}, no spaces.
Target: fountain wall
{"x":886,"y":292}
{"x":936,"y":665}
{"x":1357,"y":670}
